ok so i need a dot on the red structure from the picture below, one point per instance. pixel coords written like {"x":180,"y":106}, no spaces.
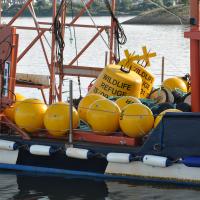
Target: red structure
{"x":194,"y":36}
{"x":9,"y":31}
{"x":69,"y":69}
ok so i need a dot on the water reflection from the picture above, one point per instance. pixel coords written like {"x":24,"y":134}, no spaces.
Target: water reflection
{"x":56,"y":188}
{"x":28,"y":186}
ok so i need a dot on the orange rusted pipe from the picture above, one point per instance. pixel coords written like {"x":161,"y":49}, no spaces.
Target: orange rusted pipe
{"x":81,"y":12}
{"x":30,"y":46}
{"x":86,"y":46}
{"x":19,"y":12}
{"x":52,"y":96}
{"x":195,"y":56}
{"x":112,"y":34}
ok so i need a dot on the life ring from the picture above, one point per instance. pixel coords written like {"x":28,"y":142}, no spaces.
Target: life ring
{"x":187,"y":98}
{"x":162,"y":95}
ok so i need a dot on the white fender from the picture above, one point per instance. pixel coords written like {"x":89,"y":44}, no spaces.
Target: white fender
{"x":156,"y":161}
{"x":118,"y":157}
{"x":77,"y":153}
{"x":40,"y":150}
{"x":7,"y":145}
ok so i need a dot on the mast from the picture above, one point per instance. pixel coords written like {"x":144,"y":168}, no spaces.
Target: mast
{"x":52,"y":96}
{"x":194,"y":36}
{"x":112,"y":34}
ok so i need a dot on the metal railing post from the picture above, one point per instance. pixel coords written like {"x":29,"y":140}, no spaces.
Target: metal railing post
{"x":70,"y":112}
{"x":163,"y":70}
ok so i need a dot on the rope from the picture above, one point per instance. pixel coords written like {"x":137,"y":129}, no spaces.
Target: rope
{"x":76,"y":49}
{"x":97,"y":110}
{"x":120,"y":36}
{"x":119,"y":31}
{"x":32,"y":11}
{"x":58,"y":33}
{"x":95,"y":24}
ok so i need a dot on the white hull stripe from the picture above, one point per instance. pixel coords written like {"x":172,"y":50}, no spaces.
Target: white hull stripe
{"x":174,"y":172}
{"x":8,"y":157}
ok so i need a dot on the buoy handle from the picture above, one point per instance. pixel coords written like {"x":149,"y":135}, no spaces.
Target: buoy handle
{"x":125,"y":70}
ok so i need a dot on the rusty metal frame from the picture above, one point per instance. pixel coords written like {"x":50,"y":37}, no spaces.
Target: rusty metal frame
{"x":86,"y":46}
{"x":69,"y":69}
{"x":194,"y":35}
{"x":30,"y":46}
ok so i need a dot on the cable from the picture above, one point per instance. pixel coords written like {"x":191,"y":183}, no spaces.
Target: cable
{"x":120,"y":35}
{"x":75,"y":44}
{"x":95,"y":24}
{"x":32,"y":11}
{"x":119,"y":31}
{"x":58,"y":33}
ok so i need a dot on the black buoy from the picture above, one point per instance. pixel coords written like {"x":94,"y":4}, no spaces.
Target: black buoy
{"x":162,"y":107}
{"x":185,"y":107}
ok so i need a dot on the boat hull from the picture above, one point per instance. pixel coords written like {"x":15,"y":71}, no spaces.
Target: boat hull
{"x":99,"y":168}
{"x":176,"y":139}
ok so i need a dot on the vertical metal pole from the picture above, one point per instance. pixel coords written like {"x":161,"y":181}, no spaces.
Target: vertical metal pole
{"x":71,"y":112}
{"x":53,"y":59}
{"x":106,"y":58}
{"x":195,"y":56}
{"x":112,"y":35}
{"x":163,"y":69}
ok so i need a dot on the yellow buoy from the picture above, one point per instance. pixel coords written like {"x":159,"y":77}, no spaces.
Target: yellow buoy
{"x":113,"y":81}
{"x":10,"y":111}
{"x":136,"y":120}
{"x":85,"y":103}
{"x":148,"y":79}
{"x":175,"y":83}
{"x":103,"y":116}
{"x":160,"y":116}
{"x":29,"y":114}
{"x":19,"y":97}
{"x":124,"y":101}
{"x":56,"y":119}
{"x":187,"y":81}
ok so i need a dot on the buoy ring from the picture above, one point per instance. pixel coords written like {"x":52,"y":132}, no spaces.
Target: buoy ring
{"x":164,"y":96}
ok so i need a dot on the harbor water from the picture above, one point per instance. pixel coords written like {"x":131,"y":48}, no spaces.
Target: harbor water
{"x":167,"y":41}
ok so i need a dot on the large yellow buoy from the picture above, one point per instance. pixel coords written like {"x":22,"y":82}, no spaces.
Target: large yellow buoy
{"x":148,"y":79}
{"x":57,"y":119}
{"x":175,"y":83}
{"x":114,"y":81}
{"x":103,"y":116}
{"x":136,"y":120}
{"x":85,"y":103}
{"x":124,"y":101}
{"x":160,"y":116}
{"x":29,"y":114}
{"x":10,"y":111}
